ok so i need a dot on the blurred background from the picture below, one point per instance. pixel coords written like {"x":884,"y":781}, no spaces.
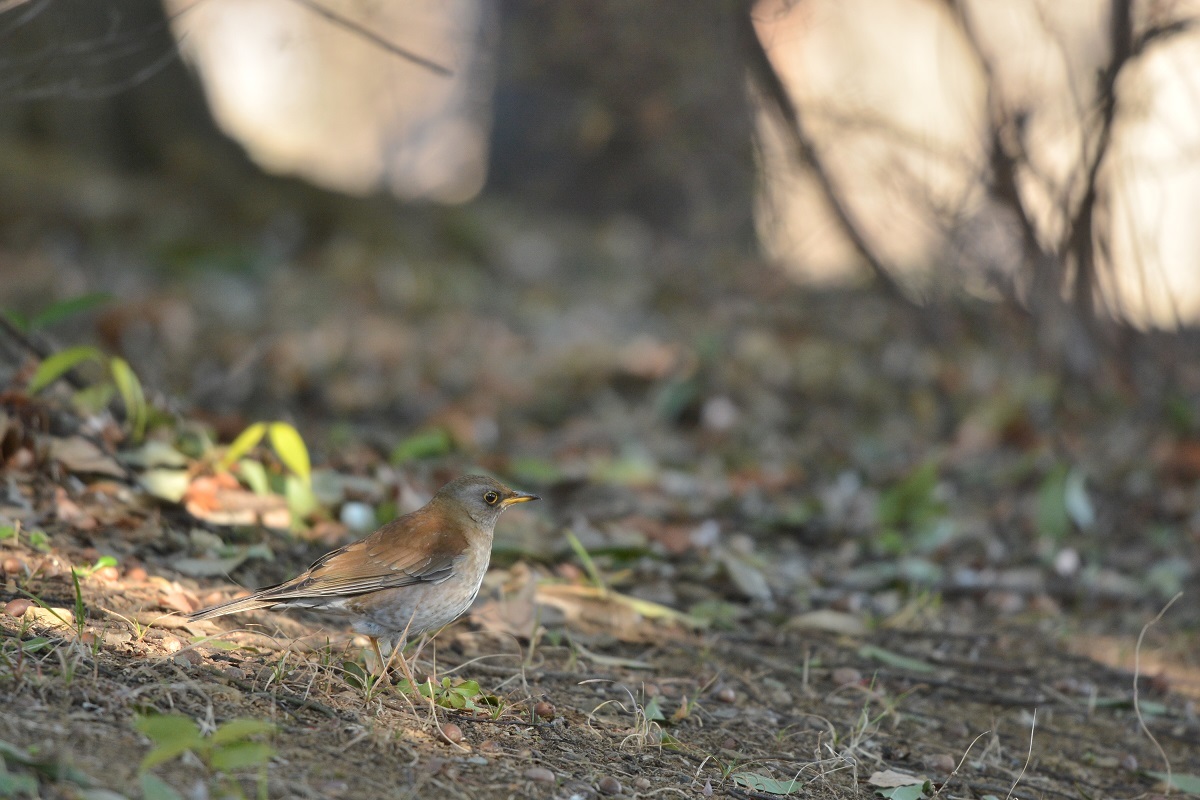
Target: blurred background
{"x":774,"y":259}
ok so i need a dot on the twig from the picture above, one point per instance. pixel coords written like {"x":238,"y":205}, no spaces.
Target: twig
{"x":1137,"y":669}
{"x":373,"y":38}
{"x":769,"y":82}
{"x":1028,"y":757}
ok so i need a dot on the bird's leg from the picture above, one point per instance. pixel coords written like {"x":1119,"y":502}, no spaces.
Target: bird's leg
{"x":380,"y":664}
{"x":398,"y":649}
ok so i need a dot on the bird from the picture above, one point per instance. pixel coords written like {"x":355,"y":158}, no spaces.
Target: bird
{"x":416,"y":574}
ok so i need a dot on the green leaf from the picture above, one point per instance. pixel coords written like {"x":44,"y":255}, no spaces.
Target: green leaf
{"x":761,"y":783}
{"x":238,"y":729}
{"x":300,"y":499}
{"x":246,"y":441}
{"x":913,"y":791}
{"x":1053,"y":517}
{"x":59,"y":364}
{"x":911,"y":502}
{"x":12,"y":785}
{"x":894,"y":659}
{"x":19,"y":321}
{"x":7,"y":532}
{"x":1188,"y":784}
{"x":255,"y":476}
{"x":166,"y":752}
{"x":424,"y":444}
{"x":589,"y":566}
{"x":132,"y":395}
{"x":155,"y":788}
{"x":534,"y":471}
{"x":67,"y":308}
{"x":356,"y":676}
{"x":93,"y":399}
{"x":653,"y":711}
{"x":169,"y":728}
{"x":39,"y":541}
{"x":291,"y":449}
{"x":241,"y":754}
{"x":166,"y":484}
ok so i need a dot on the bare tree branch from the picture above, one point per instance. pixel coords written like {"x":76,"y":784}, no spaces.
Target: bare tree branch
{"x":373,"y":38}
{"x":778,"y":98}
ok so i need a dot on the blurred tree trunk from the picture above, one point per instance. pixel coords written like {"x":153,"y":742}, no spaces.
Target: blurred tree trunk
{"x":628,"y":106}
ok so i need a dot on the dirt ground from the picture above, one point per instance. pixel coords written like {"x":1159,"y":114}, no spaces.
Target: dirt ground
{"x":821,"y":535}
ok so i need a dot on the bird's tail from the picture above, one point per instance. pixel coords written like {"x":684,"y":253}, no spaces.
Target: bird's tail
{"x":250,"y":603}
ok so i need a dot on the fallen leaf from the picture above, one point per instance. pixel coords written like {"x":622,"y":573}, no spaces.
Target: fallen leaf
{"x":827,"y":619}
{"x":891,"y":778}
{"x":78,"y":455}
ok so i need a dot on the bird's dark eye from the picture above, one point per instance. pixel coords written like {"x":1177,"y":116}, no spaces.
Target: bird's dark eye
{"x":491,"y":498}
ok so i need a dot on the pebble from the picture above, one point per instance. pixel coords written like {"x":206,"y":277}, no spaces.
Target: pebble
{"x":939,"y":763}
{"x":136,"y":574}
{"x":18,"y":607}
{"x":235,"y":673}
{"x":609,"y":785}
{"x":451,"y":733}
{"x":1129,"y":762}
{"x":107,"y":574}
{"x":12,"y":566}
{"x":844,"y":676}
{"x":478,"y":761}
{"x":540,"y":774}
{"x":729,"y":743}
{"x":641,"y":784}
{"x":87,"y":638}
{"x":727,"y":695}
{"x":545,"y":710}
{"x":187,"y":659}
{"x":489,"y":746}
{"x":172,"y":644}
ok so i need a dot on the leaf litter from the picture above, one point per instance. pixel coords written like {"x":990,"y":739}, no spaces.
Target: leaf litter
{"x":810,"y":546}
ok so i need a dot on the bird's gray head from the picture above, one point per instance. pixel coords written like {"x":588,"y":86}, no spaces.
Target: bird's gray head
{"x":481,"y":497}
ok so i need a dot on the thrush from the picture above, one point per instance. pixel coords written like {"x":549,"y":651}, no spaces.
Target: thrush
{"x":415,"y":574}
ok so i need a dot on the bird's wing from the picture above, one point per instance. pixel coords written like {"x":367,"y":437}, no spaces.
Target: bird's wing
{"x":417,"y":548}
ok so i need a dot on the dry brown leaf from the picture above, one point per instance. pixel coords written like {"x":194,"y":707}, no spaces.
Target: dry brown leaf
{"x":78,"y":455}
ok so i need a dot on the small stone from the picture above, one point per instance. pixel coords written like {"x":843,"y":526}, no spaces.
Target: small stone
{"x":234,"y":673}
{"x":727,"y":695}
{"x":18,"y":607}
{"x":13,"y":566}
{"x":172,"y":644}
{"x":1129,"y":762}
{"x":609,"y":785}
{"x":940,"y":762}
{"x":451,"y":733}
{"x":540,"y":774}
{"x":545,"y":710}
{"x":106,"y":574}
{"x":844,"y":676}
{"x":114,"y":638}
{"x":187,"y":659}
{"x":489,"y":746}
{"x":729,"y":743}
{"x":136,"y":574}
{"x":87,"y":638}
{"x":478,"y":761}
{"x":641,"y":784}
